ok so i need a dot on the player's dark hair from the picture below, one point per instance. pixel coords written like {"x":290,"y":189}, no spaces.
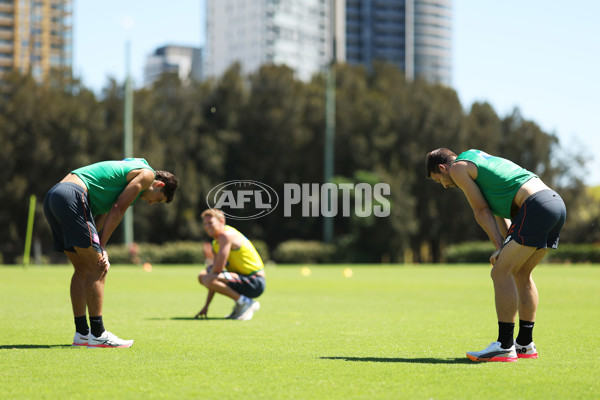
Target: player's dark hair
{"x":170,"y":184}
{"x":436,"y":157}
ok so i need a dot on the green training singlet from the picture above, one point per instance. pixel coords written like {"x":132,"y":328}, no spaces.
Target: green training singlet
{"x":106,"y":180}
{"x":498,"y":178}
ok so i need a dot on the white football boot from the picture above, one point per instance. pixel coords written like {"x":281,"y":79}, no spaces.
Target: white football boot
{"x":107,"y":339}
{"x":80,"y":340}
{"x":529,"y":351}
{"x":494,"y":352}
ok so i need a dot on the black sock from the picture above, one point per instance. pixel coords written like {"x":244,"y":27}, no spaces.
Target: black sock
{"x":505,"y":334}
{"x":525,"y":332}
{"x":81,"y":325}
{"x":96,"y":325}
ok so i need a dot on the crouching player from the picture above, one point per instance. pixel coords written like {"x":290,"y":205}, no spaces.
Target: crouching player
{"x":237,"y":270}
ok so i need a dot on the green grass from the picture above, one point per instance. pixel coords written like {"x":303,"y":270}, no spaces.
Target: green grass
{"x":384,"y":333}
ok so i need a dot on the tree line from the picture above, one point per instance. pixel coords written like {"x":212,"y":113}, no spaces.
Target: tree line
{"x":269,"y":127}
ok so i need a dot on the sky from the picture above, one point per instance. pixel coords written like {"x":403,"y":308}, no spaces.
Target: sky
{"x":540,"y":56}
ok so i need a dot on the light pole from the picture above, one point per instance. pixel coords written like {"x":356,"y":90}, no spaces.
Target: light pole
{"x":128,"y":138}
{"x":330,"y":121}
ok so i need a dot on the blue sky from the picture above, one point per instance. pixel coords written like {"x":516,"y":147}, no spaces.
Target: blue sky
{"x":540,"y":56}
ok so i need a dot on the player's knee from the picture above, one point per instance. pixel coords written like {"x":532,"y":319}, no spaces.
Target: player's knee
{"x":205,"y":279}
{"x":499,"y":272}
{"x":494,"y":273}
{"x":522,"y":277}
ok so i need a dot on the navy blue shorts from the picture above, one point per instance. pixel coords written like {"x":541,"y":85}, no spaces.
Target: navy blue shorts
{"x":67,"y":209}
{"x":539,"y":221}
{"x":249,"y":285}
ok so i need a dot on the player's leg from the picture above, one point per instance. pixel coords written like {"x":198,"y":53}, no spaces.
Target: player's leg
{"x":217,"y":284}
{"x":239,"y":288}
{"x":85,"y":261}
{"x":511,"y":258}
{"x":540,"y":228}
{"x":78,"y":303}
{"x":82,"y":262}
{"x":528,"y":303}
{"x":249,"y":287}
{"x":528,"y":294}
{"x":201,"y":274}
{"x":86,"y":291}
{"x":64,"y":208}
{"x":77,"y":283}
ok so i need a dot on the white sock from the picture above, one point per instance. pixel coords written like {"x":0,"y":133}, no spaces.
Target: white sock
{"x":243,"y":299}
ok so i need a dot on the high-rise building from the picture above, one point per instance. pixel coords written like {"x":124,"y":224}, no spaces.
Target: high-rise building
{"x":296,"y":33}
{"x":416,"y":35}
{"x":36,"y":36}
{"x":184,"y":61}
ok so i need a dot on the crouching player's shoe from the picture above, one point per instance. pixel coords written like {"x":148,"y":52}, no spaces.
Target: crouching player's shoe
{"x":236,"y":312}
{"x":528,"y":351}
{"x":80,"y":340}
{"x":248,"y":310}
{"x":107,"y":339}
{"x":494,"y":352}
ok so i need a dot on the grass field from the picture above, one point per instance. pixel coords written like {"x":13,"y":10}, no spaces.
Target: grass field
{"x":384,"y":333}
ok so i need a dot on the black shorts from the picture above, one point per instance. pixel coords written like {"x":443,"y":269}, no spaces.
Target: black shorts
{"x":249,"y":285}
{"x":539,"y":221}
{"x":67,"y":209}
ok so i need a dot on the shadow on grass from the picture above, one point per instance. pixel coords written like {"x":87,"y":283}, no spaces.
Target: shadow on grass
{"x":186,"y":319}
{"x":32,"y":346}
{"x":427,"y":360}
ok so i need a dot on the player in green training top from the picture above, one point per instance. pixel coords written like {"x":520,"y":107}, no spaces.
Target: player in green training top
{"x":523,"y":218}
{"x":83,"y":211}
{"x":237,"y":271}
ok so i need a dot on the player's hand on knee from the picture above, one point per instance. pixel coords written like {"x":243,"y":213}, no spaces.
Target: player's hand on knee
{"x":103,"y":261}
{"x":494,"y":256}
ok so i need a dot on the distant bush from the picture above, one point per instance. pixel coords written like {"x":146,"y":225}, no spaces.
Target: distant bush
{"x":168,"y":253}
{"x":181,"y":253}
{"x":184,"y":252}
{"x":304,"y":252}
{"x":575,"y":253}
{"x":480,"y":252}
{"x":43,"y":260}
{"x":262,"y":248}
{"x":118,"y":254}
{"x":469,"y":252}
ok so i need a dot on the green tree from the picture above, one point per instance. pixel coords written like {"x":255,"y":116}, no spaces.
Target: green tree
{"x":46,"y":131}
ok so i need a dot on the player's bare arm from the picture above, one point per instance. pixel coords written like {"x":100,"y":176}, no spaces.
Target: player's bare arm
{"x":203,"y":313}
{"x":463,"y":174}
{"x":225,"y":243}
{"x":100,"y":219}
{"x":503,"y":225}
{"x":139,"y":180}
